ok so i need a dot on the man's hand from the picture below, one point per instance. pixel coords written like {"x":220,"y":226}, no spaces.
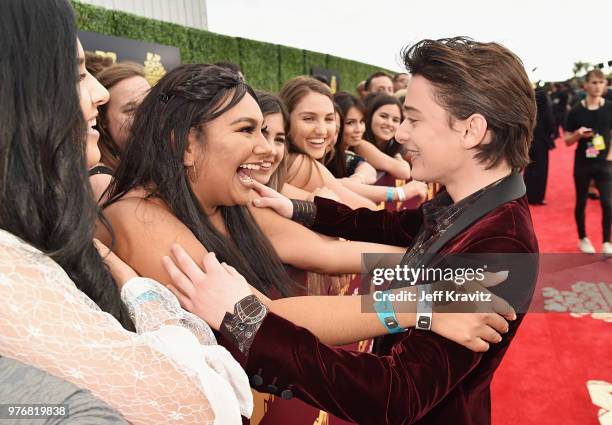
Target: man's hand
{"x":207,"y":293}
{"x":473,"y":324}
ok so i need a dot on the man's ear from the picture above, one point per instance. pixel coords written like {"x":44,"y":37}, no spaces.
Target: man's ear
{"x":192,"y":149}
{"x":475,"y":131}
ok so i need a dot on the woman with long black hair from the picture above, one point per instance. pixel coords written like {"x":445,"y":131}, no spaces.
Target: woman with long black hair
{"x":382,"y":117}
{"x":185,"y":176}
{"x":53,"y":282}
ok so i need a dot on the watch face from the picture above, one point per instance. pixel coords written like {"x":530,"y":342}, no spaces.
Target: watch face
{"x":250,"y":310}
{"x":424,"y":322}
{"x":390,"y":323}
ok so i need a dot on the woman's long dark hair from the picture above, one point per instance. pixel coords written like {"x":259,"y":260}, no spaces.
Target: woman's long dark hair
{"x":390,"y":147}
{"x":45,"y":197}
{"x":344,"y":101}
{"x":335,"y":159}
{"x":188,"y":97}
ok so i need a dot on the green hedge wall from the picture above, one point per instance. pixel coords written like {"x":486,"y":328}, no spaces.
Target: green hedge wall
{"x":266,"y":66}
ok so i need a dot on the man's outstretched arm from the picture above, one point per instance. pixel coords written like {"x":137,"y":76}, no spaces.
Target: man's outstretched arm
{"x":422,"y":369}
{"x":392,"y":228}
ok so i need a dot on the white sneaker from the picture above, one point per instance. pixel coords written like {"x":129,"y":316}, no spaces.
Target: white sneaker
{"x":586,"y":246}
{"x":606,"y":249}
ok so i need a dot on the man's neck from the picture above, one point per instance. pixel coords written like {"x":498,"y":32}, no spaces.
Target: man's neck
{"x":593,"y":102}
{"x":469,"y":181}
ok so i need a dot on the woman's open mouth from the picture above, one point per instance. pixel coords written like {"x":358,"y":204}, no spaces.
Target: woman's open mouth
{"x":244,"y":172}
{"x":316,"y":143}
{"x":91,"y":131}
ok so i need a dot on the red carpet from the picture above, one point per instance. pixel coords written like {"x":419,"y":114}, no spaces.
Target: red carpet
{"x":559,"y":368}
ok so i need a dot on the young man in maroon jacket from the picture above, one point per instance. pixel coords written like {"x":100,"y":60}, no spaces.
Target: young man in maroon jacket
{"x":470,"y":112}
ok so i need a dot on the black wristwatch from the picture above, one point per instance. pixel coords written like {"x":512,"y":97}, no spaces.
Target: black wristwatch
{"x":241,"y":326}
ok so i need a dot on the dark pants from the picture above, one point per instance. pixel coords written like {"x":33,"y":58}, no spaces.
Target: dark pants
{"x":536,"y":173}
{"x":601,"y":173}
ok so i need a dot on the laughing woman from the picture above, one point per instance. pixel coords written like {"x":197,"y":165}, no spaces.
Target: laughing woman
{"x":171,"y":187}
{"x":312,"y":130}
{"x":382,"y":118}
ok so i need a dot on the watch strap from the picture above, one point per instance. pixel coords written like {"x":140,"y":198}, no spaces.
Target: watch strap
{"x":241,"y":326}
{"x":386,"y":314}
{"x":424,"y":313}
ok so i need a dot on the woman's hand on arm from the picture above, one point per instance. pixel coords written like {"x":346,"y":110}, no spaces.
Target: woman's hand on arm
{"x":270,"y":198}
{"x":475,"y":325}
{"x":415,"y":188}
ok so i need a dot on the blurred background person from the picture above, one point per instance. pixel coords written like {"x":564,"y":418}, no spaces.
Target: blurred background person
{"x":400,"y":81}
{"x":127,"y":86}
{"x":589,"y":124}
{"x":361,"y":91}
{"x":544,"y":134}
{"x":379,"y":82}
{"x":96,"y":63}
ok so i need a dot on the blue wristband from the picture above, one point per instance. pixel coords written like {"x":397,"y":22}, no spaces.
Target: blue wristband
{"x":389,"y":194}
{"x":386,"y":315}
{"x":147,"y":296}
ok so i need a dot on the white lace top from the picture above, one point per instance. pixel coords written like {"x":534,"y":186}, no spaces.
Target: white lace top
{"x":172,"y":371}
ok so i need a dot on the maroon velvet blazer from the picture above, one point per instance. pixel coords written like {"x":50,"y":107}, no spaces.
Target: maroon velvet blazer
{"x":423,"y":378}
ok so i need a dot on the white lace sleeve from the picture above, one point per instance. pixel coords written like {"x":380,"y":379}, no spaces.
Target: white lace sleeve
{"x":152,"y":305}
{"x":47,"y":322}
{"x":156,"y":311}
